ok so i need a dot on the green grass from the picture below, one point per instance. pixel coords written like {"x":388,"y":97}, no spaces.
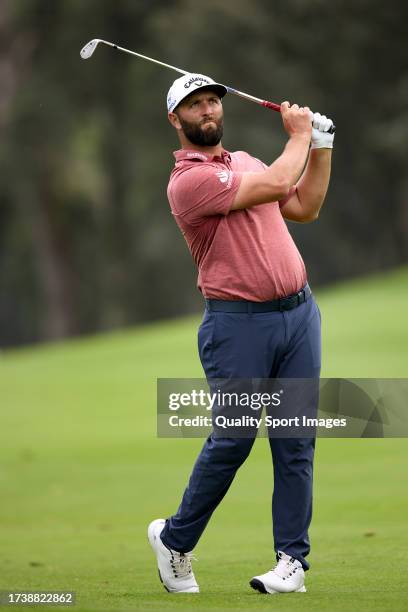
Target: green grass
{"x":82,"y":472}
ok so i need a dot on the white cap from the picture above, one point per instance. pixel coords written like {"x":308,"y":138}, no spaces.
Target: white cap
{"x":188,"y":84}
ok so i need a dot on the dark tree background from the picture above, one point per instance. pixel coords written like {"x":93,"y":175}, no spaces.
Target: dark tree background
{"x":87,"y":241}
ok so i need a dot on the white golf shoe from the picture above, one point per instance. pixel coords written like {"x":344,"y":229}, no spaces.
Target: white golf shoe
{"x":174,"y":568}
{"x":287,"y":577}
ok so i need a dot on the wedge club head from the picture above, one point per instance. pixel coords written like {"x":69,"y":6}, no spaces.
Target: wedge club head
{"x":89,"y":48}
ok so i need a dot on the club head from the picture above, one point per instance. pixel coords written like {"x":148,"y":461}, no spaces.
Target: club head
{"x":89,"y":48}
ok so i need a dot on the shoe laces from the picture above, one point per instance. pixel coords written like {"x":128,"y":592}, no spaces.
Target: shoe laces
{"x":181,"y":563}
{"x":285,"y":568}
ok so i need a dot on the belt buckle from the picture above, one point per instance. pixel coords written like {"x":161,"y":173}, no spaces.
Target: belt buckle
{"x":286,"y":303}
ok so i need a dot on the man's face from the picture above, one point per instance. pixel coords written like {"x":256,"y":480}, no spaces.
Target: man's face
{"x":201,"y":117}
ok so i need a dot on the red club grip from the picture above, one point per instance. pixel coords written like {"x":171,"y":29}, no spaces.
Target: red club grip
{"x":271,"y":105}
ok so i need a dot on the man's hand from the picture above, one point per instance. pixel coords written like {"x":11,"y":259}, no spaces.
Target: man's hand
{"x":321,"y":138}
{"x":296,"y":121}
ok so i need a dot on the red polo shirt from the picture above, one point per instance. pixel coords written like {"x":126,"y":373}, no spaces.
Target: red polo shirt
{"x":241,"y":254}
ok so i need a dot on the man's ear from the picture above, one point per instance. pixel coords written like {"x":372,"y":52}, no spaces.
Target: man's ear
{"x":174,"y":120}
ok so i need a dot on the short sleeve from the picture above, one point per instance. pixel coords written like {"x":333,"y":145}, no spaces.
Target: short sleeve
{"x":290,"y":194}
{"x":203,"y":190}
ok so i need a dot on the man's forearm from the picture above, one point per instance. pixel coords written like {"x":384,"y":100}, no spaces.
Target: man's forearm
{"x":289,"y":165}
{"x":314,"y":182}
{"x":275,"y":183}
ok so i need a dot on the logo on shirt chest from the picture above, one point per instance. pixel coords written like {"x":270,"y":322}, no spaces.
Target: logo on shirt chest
{"x":223,"y":176}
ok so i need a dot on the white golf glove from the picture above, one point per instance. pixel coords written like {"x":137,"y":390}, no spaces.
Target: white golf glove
{"x":321,"y":137}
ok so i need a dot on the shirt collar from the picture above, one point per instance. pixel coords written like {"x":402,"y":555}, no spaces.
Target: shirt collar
{"x":192,"y":155}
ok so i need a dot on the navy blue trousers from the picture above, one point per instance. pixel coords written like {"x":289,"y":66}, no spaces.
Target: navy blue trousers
{"x":257,"y":345}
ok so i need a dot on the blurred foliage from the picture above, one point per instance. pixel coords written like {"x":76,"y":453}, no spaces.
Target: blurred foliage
{"x":87,"y":241}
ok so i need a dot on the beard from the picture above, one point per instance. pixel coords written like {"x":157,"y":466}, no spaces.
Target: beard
{"x":208,"y":137}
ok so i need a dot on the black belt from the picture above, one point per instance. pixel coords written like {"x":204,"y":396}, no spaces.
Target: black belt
{"x":285,"y":303}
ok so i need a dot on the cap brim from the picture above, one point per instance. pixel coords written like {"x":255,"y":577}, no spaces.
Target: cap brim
{"x":220,"y":90}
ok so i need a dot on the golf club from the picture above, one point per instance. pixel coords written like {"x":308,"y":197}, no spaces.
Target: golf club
{"x":88,"y":50}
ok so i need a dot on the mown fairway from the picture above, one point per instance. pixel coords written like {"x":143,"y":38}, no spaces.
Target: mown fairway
{"x":82,"y":472}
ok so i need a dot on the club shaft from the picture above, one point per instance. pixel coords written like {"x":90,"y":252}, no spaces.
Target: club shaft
{"x":145,"y":57}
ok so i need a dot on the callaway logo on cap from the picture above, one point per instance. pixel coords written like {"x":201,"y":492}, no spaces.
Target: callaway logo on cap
{"x":188,"y":84}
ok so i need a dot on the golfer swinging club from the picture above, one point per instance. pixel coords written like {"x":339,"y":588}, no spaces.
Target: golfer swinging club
{"x":261,"y":319}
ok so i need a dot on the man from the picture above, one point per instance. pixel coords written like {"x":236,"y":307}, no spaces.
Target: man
{"x":261,"y":320}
